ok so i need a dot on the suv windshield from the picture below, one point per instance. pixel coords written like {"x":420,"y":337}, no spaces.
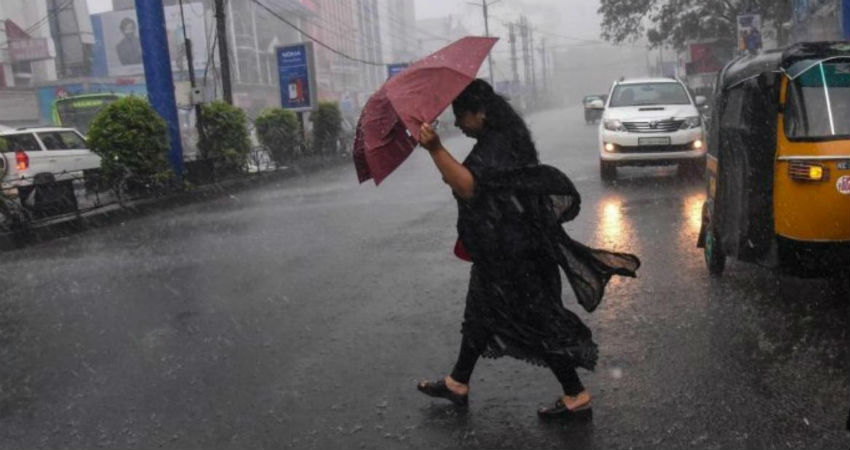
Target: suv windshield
{"x":644,"y":94}
{"x":819,"y":101}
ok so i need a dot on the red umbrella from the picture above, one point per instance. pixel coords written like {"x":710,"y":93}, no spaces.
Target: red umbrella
{"x":388,"y":128}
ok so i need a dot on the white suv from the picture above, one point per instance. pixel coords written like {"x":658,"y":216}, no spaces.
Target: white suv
{"x":651,"y":122}
{"x":49,"y":157}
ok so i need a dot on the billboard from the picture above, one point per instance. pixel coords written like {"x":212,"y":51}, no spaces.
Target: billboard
{"x":705,"y":58}
{"x":296,"y":68}
{"x":23,"y":47}
{"x":118,"y":51}
{"x":749,"y":32}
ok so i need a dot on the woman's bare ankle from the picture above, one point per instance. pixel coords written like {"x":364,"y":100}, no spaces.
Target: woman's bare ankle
{"x":580,"y":400}
{"x":456,"y":386}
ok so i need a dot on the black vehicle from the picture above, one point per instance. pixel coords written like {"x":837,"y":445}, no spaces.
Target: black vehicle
{"x":593,"y":107}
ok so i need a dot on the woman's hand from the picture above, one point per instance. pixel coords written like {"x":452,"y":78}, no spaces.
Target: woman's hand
{"x":429,"y":138}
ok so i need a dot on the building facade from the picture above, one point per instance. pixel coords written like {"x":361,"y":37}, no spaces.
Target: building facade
{"x":43,"y":40}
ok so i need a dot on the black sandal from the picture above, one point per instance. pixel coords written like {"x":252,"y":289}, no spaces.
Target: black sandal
{"x":440,"y":390}
{"x":561,"y":412}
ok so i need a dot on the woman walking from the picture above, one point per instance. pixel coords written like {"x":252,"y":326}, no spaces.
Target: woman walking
{"x":510,"y":211}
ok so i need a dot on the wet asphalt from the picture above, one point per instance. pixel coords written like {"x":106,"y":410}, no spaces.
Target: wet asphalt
{"x":300,"y":314}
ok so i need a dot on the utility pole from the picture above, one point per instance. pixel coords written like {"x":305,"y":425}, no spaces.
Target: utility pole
{"x":487,"y":33}
{"x":513,"y":54}
{"x":190,"y":65}
{"x":224,"y":59}
{"x":523,"y":32}
{"x":544,"y":64}
{"x":484,"y":6}
{"x":531,"y":54}
{"x":55,"y":23}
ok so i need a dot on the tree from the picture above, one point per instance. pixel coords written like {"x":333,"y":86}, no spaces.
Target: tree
{"x":225,"y":135}
{"x":327,"y":126}
{"x":279,"y":131}
{"x":131,"y":139}
{"x":675,"y":22}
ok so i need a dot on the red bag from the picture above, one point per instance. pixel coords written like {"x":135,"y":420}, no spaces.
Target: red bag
{"x":460,"y":251}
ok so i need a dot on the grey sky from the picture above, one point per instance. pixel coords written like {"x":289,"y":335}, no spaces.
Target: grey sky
{"x":97,"y":6}
{"x":574,"y":18}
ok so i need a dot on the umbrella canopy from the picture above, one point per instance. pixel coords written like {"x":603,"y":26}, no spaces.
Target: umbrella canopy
{"x":388,"y":129}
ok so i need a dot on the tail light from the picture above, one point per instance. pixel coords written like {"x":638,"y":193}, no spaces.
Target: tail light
{"x":807,"y":171}
{"x":22,"y":160}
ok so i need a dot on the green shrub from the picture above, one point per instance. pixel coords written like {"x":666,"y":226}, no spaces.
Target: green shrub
{"x":224,"y":135}
{"x":130,"y":136}
{"x":279,"y":131}
{"x":327,"y":126}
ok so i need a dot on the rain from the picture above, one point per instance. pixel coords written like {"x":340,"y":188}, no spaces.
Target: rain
{"x":424,"y":224}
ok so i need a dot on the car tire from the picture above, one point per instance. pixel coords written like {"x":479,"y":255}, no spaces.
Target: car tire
{"x":715,"y":258}
{"x":607,"y":171}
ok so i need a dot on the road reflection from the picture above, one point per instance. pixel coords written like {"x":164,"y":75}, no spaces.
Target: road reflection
{"x":614,"y":230}
{"x":692,"y":215}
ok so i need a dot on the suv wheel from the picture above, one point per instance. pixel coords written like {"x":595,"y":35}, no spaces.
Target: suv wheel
{"x":607,"y":170}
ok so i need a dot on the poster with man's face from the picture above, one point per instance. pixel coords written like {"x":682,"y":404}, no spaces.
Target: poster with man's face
{"x":122,"y":47}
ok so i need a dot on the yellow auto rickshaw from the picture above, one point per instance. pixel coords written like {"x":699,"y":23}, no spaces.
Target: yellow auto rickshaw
{"x":778,"y":161}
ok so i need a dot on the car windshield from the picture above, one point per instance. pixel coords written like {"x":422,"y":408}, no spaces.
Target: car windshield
{"x":645,"y":94}
{"x":819,"y":101}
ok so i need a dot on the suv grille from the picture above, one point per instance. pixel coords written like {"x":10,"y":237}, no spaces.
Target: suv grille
{"x":654,"y":126}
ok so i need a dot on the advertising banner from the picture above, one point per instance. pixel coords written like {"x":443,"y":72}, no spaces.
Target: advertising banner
{"x":749,"y":32}
{"x":704,"y":59}
{"x":117,"y":44}
{"x":297,"y":71}
{"x":23,"y":47}
{"x":395,"y":69}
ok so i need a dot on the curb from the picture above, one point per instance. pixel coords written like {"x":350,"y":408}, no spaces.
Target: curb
{"x":113,"y":213}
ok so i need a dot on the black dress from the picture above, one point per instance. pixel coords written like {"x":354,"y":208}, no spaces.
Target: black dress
{"x":512,"y":230}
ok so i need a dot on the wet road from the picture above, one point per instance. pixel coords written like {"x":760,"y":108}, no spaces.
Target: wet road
{"x":301,"y":314}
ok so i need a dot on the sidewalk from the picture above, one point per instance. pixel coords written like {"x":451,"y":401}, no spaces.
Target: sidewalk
{"x":68,"y":224}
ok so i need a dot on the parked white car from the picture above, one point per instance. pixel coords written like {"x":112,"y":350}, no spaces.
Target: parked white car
{"x":43,"y":156}
{"x":651,"y":122}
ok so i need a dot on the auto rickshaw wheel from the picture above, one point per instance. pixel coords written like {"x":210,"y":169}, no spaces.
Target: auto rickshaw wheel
{"x":715,"y":259}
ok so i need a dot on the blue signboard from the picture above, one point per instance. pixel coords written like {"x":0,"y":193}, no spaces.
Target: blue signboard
{"x":296,"y":67}
{"x":845,"y":19}
{"x":395,"y":69}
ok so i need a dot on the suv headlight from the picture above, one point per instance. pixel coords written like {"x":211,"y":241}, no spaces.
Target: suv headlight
{"x":691,"y":122}
{"x":614,"y":125}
